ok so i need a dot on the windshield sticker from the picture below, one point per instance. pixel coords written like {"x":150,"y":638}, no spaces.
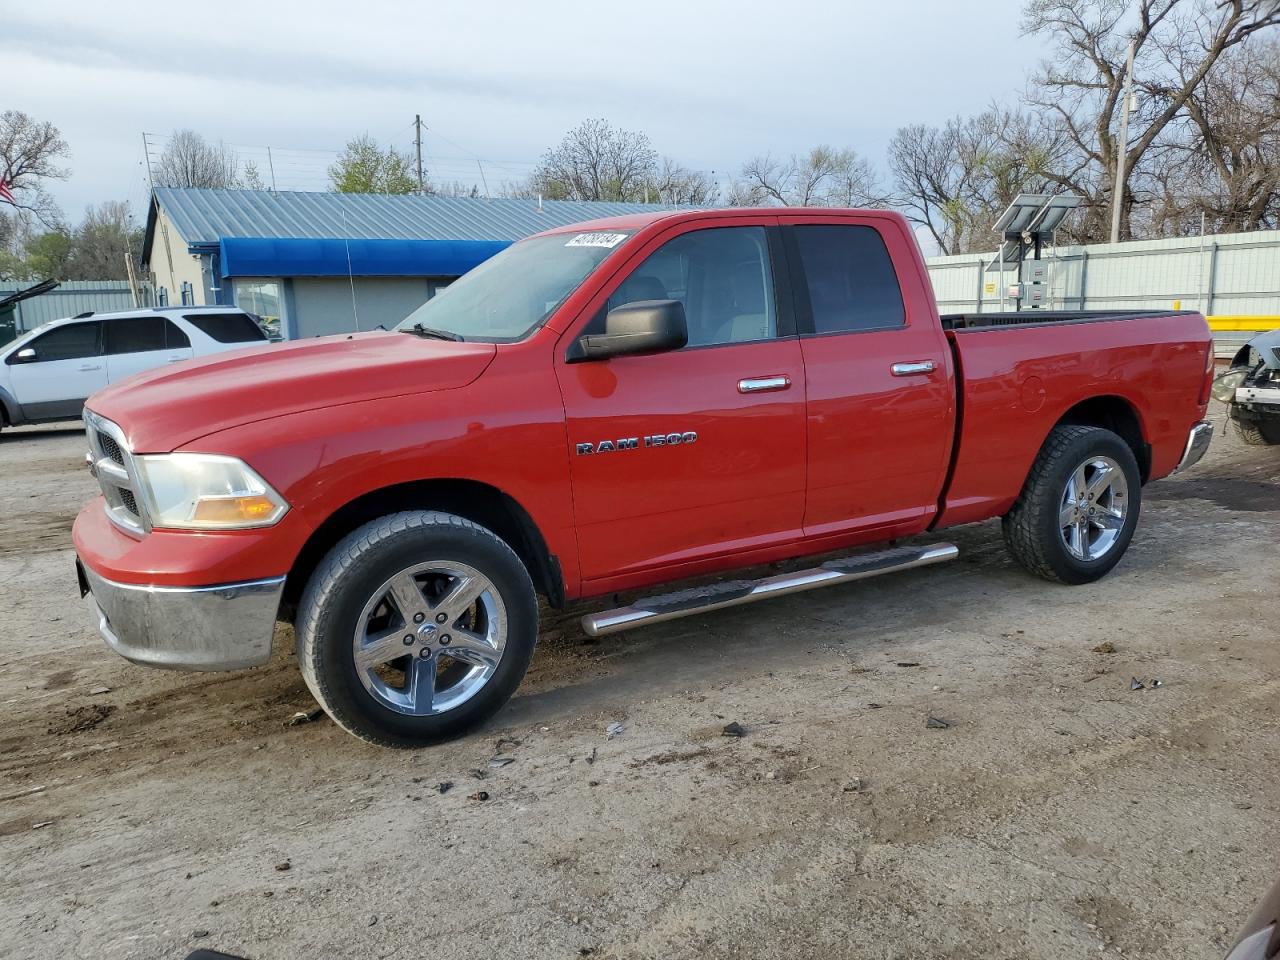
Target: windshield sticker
{"x":609,"y":240}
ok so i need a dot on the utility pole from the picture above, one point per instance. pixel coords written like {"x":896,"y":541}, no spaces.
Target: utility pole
{"x":417,"y":141}
{"x":1117,"y":187}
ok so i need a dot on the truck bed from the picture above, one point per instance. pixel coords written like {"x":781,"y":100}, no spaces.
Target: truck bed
{"x":1026,"y":318}
{"x":1020,"y":373}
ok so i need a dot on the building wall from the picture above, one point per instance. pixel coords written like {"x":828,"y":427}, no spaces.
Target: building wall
{"x":1231,"y":274}
{"x":186,"y":267}
{"x":323,"y":305}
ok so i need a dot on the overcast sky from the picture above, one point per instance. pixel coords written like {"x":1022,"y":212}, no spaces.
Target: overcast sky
{"x":711,"y":83}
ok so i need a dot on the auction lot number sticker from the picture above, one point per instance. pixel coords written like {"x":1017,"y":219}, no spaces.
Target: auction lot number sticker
{"x":609,"y":240}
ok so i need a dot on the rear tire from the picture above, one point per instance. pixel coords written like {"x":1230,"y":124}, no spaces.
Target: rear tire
{"x":1078,"y":508}
{"x":1259,"y":432}
{"x":417,"y":627}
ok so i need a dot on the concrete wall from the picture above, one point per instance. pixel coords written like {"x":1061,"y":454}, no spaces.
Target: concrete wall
{"x":322,"y":306}
{"x":171,"y":264}
{"x":1231,"y":274}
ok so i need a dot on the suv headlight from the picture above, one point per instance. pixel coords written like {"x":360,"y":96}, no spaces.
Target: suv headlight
{"x":1224,"y":388}
{"x":203,"y":491}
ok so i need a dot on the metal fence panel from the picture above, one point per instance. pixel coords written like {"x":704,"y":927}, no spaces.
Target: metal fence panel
{"x":1235,"y":274}
{"x":72,"y":297}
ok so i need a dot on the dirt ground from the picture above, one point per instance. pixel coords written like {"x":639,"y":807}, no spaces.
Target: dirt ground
{"x":1059,"y":814}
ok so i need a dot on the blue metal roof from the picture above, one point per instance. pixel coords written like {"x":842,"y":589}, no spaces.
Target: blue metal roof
{"x":204,"y":217}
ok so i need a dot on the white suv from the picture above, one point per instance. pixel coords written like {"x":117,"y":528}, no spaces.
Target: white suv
{"x":48,"y":374}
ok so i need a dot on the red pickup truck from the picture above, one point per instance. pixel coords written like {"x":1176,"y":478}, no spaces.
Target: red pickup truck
{"x":604,"y":408}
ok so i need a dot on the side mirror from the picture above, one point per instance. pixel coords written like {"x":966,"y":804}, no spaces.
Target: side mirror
{"x":25,"y":355}
{"x":646,"y":326}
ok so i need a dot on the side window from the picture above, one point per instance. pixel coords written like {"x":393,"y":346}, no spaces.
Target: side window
{"x":721,"y":276}
{"x":72,"y":342}
{"x":850,"y":277}
{"x":143,"y":334}
{"x":226,"y":327}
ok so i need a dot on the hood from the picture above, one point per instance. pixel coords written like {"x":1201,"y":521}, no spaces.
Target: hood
{"x":1268,"y":347}
{"x":162,"y":409}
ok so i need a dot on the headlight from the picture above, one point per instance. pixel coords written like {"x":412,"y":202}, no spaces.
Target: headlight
{"x":1224,"y":388}
{"x":201,"y":491}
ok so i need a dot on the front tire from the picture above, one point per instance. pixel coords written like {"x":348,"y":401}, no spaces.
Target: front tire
{"x":1078,"y":508}
{"x":417,"y":627}
{"x":1259,"y":432}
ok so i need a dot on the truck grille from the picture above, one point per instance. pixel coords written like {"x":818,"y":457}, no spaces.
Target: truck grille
{"x":110,"y":448}
{"x":113,"y":466}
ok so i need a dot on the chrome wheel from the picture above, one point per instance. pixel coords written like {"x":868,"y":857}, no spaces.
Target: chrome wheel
{"x":1093,"y":508}
{"x":430,"y":638}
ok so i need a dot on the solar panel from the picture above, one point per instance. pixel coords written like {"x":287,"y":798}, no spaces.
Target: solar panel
{"x":1017,"y":218}
{"x":1010,"y":253}
{"x":1051,"y":215}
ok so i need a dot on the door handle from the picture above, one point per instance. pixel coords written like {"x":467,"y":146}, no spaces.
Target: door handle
{"x":88,"y":368}
{"x":912,"y":368}
{"x":763,"y":384}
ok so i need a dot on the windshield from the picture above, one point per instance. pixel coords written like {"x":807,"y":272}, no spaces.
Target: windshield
{"x":511,"y":294}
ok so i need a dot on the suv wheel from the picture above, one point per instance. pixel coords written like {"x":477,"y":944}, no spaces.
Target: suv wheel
{"x":416,"y":628}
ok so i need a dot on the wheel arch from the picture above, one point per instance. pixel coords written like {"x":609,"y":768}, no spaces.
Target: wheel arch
{"x":476,"y":501}
{"x":8,"y":409}
{"x":1121,"y":417}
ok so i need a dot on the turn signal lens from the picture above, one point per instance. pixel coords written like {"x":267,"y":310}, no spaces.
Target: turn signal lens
{"x":233,"y":511}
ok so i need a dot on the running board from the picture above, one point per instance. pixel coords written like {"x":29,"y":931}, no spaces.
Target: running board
{"x":734,"y":593}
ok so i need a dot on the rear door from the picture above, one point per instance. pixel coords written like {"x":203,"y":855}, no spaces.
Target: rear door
{"x":880,"y":405}
{"x":696,"y":453}
{"x":67,"y":368}
{"x":135,"y":344}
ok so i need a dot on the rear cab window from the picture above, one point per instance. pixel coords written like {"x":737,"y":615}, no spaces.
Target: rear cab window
{"x":849,"y":278}
{"x":227,"y":327}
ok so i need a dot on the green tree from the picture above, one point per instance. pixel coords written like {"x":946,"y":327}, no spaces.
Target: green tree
{"x":365,"y":167}
{"x":48,"y":256}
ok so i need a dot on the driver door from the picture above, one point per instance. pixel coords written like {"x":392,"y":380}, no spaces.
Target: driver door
{"x":681,"y":457}
{"x":67,"y":368}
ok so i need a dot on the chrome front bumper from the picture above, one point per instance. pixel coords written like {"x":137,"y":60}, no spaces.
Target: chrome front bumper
{"x":224,"y":627}
{"x":1197,"y":445}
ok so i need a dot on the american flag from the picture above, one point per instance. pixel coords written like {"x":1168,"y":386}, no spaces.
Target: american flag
{"x":5,"y":194}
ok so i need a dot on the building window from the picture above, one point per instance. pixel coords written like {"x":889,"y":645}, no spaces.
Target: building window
{"x":264,"y":298}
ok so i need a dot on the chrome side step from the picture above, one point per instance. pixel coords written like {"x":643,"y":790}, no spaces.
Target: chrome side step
{"x":734,"y":593}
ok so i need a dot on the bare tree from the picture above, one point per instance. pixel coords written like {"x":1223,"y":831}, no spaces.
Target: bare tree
{"x":188,"y":160}
{"x":250,"y":178}
{"x":676,"y":184}
{"x":1178,"y":44}
{"x":824,"y":177}
{"x":1226,"y":162}
{"x":956,"y":179}
{"x":596,"y":161}
{"x":30,"y":151}
{"x":105,"y":236}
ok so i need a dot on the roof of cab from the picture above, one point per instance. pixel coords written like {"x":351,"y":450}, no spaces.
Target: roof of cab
{"x":639,"y":221}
